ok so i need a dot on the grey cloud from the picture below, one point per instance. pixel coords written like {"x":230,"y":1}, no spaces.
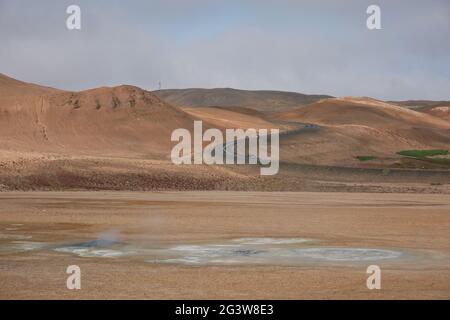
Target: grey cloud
{"x":307,"y":46}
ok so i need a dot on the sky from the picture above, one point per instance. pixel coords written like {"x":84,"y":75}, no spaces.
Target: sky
{"x":315,"y":46}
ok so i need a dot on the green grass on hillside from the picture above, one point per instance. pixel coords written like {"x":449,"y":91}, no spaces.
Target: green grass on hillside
{"x":426,"y":156}
{"x":443,"y":161}
{"x":423,"y":153}
{"x":365,"y":158}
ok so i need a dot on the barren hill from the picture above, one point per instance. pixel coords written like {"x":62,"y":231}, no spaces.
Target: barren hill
{"x":361,"y":111}
{"x":223,"y":117}
{"x":440,"y":109}
{"x":227,"y":97}
{"x":123,"y":121}
{"x":13,"y":87}
{"x":105,"y":138}
{"x":119,"y":138}
{"x":351,"y":127}
{"x":417,"y":104}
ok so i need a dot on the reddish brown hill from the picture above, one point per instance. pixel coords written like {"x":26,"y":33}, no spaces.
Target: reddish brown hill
{"x":361,"y":111}
{"x":13,"y":87}
{"x":123,"y":121}
{"x":349,"y":127}
{"x":128,"y":122}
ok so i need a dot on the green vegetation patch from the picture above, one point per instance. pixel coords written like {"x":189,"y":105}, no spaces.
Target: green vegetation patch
{"x":365,"y":158}
{"x":423,"y":153}
{"x":443,"y":161}
{"x":426,"y":156}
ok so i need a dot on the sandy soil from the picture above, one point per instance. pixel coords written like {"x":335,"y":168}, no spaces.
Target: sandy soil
{"x":418,"y":225}
{"x":52,"y":172}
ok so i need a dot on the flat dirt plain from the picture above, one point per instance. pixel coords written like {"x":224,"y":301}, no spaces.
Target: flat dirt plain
{"x":224,"y":245}
{"x":86,"y":179}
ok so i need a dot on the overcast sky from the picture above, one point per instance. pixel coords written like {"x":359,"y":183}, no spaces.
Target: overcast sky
{"x":315,"y":46}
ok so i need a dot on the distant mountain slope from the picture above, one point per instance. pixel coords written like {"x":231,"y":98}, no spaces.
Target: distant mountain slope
{"x":228,"y":97}
{"x":362,"y":111}
{"x":413,"y":104}
{"x":440,"y":109}
{"x":229,"y":117}
{"x":126,"y":122}
{"x":351,"y":127}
